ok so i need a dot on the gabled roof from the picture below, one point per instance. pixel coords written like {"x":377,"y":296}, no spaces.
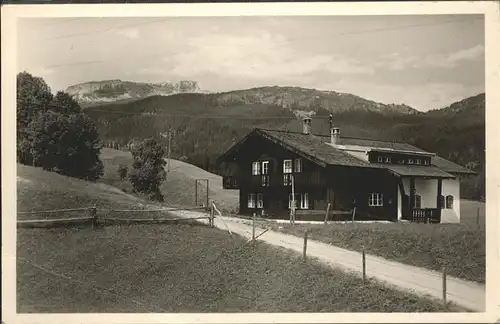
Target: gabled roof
{"x":317,"y":149}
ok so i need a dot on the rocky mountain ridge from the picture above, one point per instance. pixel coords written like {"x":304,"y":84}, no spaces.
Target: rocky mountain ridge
{"x":108,"y":91}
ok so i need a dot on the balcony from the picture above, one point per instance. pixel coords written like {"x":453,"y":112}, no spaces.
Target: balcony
{"x":230,"y":182}
{"x":426,"y":215}
{"x":278,"y":180}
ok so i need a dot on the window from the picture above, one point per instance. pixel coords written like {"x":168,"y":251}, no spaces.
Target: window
{"x":260,"y":200}
{"x":301,"y":201}
{"x":265,"y":167}
{"x":287,"y":166}
{"x":256,"y":168}
{"x":304,"y":201}
{"x":251,"y":200}
{"x":426,"y":162}
{"x":287,"y":179}
{"x":418,"y":161}
{"x":376,"y":199}
{"x":379,"y":159}
{"x":410,"y":161}
{"x":449,"y":202}
{"x":298,"y":165}
{"x":441,"y":202}
{"x":265,"y":181}
{"x":417,"y":201}
{"x":387,"y":159}
{"x":402,"y":161}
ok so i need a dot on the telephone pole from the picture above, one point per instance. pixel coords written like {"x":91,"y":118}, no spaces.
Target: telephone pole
{"x":168,"y":134}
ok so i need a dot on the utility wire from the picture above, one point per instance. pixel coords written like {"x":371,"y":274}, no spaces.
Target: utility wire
{"x":277,"y":44}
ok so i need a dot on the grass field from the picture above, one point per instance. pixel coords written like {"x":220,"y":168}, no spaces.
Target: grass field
{"x":179,"y":187}
{"x":171,"y":268}
{"x":184,"y":268}
{"x":458,"y":247}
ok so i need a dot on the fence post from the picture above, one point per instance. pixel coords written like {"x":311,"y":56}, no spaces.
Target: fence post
{"x":212,"y":215}
{"x":327,"y":211}
{"x":364,"y":265}
{"x":253,"y":227}
{"x":477,"y":217}
{"x":93,"y":214}
{"x":305,"y":245}
{"x":196,"y":192}
{"x":207,"y":191}
{"x":353,"y":214}
{"x":444,"y":287}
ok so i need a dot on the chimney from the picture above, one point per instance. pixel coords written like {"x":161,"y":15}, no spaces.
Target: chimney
{"x":306,"y":125}
{"x":334,"y":132}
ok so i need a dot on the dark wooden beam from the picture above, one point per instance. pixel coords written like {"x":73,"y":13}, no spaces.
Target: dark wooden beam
{"x":439,"y":193}
{"x":412,"y":194}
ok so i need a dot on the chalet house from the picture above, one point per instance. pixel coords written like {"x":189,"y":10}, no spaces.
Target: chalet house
{"x":275,"y":169}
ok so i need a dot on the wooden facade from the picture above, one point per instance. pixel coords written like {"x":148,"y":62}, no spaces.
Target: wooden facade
{"x":342,"y":187}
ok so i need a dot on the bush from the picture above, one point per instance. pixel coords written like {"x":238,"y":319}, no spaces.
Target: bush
{"x":122,"y":171}
{"x":148,"y":169}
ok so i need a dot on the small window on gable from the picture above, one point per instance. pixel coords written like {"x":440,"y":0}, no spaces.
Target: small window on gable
{"x":441,"y":202}
{"x":298,"y":165}
{"x":256,"y":168}
{"x":251,"y":200}
{"x":265,"y":167}
{"x":287,"y":166}
{"x":375,"y":200}
{"x":418,"y":201}
{"x":287,"y":179}
{"x":449,"y":202}
{"x":265,"y":180}
{"x":304,"y":201}
{"x":260,"y":200}
{"x":379,"y":159}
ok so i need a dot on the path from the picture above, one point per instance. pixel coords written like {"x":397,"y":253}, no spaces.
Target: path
{"x":421,"y":281}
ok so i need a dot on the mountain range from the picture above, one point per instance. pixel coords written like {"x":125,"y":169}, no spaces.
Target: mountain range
{"x":300,"y":100}
{"x":94,"y":92}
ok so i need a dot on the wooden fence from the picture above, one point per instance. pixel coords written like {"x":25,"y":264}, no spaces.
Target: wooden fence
{"x":95,"y":216}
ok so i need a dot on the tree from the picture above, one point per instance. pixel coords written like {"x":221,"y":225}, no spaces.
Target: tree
{"x":148,"y":168}
{"x":33,"y":96}
{"x":65,"y":104}
{"x":68,"y":145}
{"x":122,"y":171}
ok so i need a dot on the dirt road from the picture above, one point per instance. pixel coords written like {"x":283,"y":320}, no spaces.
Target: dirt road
{"x":421,"y":281}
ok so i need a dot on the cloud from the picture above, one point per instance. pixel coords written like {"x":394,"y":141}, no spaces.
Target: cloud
{"x":258,"y":55}
{"x":131,"y":33}
{"x":399,"y":61}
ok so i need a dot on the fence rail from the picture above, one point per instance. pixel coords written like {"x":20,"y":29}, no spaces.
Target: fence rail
{"x":94,"y":218}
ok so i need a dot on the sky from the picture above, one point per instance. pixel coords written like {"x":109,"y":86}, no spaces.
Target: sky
{"x":426,"y":61}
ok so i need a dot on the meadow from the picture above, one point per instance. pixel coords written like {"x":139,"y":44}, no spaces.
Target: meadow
{"x":458,"y":247}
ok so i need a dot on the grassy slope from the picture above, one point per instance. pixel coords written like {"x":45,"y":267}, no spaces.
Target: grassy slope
{"x":179,"y":188}
{"x":39,"y":190}
{"x":172,"y":269}
{"x":459,"y":247}
{"x":175,"y":268}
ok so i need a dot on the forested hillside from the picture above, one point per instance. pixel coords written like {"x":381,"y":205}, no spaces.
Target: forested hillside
{"x":205,"y":126}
